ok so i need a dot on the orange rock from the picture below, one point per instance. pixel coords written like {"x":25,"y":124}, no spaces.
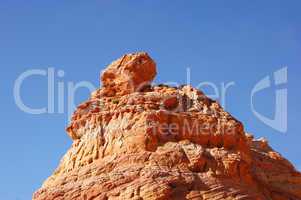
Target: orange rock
{"x":131,"y":73}
{"x":126,"y":145}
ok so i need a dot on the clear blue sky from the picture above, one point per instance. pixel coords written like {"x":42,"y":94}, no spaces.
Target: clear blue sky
{"x":221,"y":41}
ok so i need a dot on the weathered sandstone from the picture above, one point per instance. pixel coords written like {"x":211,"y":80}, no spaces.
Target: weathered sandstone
{"x":132,"y":140}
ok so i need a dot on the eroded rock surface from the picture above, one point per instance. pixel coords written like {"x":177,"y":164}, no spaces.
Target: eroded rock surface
{"x":132,"y":140}
{"x":130,"y":73}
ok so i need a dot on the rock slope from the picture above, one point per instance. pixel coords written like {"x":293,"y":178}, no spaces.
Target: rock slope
{"x":132,"y":140}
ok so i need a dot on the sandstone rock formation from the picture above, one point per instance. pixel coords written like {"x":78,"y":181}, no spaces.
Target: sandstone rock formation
{"x":132,"y":140}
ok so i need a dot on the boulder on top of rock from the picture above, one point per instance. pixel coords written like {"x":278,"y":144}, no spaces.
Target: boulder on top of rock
{"x":130,"y":73}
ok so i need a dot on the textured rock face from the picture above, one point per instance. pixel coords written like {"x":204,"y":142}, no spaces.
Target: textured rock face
{"x":136,"y":141}
{"x":131,"y":73}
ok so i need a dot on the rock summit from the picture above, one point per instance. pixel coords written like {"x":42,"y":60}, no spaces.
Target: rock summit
{"x":135,"y":140}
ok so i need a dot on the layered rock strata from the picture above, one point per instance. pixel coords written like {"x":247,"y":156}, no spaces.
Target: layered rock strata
{"x":132,"y":140}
